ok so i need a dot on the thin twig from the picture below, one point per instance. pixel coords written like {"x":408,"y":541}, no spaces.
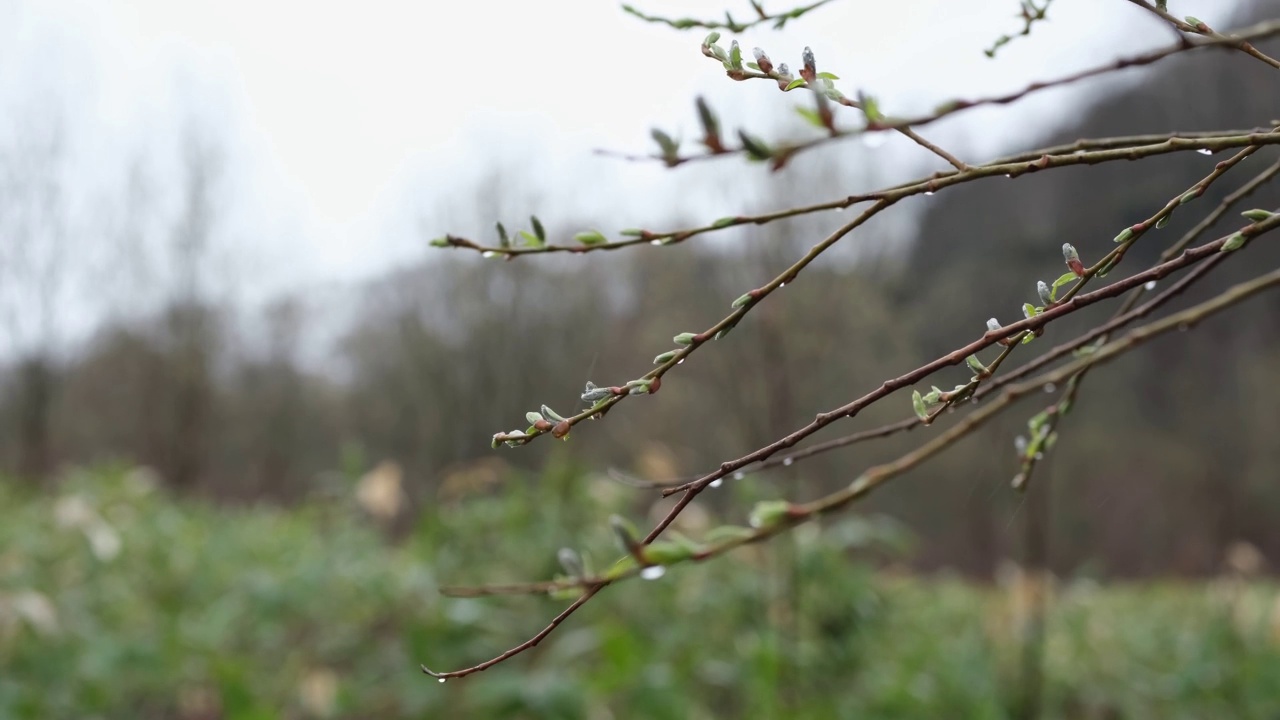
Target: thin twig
{"x":778,"y":19}
{"x":1203,"y":30}
{"x":1258,"y":31}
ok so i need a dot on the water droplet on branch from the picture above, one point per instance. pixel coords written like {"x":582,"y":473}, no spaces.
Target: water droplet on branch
{"x":653,"y":572}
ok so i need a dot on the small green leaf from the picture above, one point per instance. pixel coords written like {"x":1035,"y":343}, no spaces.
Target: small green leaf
{"x":1193,"y":21}
{"x":1257,"y":215}
{"x":975,"y":364}
{"x":590,"y":237}
{"x":530,"y":239}
{"x":685,"y":338}
{"x":1188,"y":197}
{"x":742,"y":300}
{"x":798,"y":82}
{"x":828,"y":76}
{"x":1124,"y":235}
{"x":811,"y":116}
{"x":1028,"y":338}
{"x":917,"y":404}
{"x":537,"y":228}
{"x":725,"y":222}
{"x":548,"y":412}
{"x":503,"y":240}
{"x":711,"y":39}
{"x":1235,"y":242}
{"x":1062,"y":280}
{"x":1028,"y":310}
{"x":533,"y":417}
{"x":665,"y":357}
{"x":735,"y":55}
{"x":1163,"y":221}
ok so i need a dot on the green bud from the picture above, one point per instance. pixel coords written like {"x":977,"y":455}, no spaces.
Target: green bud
{"x":1125,"y":235}
{"x":537,"y":228}
{"x":769,"y":513}
{"x":727,"y":534}
{"x":665,"y":357}
{"x":1163,"y":221}
{"x":624,"y":531}
{"x":1235,"y":242}
{"x":1257,"y":215}
{"x":685,"y":338}
{"x":1028,"y":310}
{"x":743,"y":300}
{"x":533,"y":417}
{"x":667,"y":553}
{"x":1042,"y":289}
{"x":975,"y":364}
{"x":548,"y":412}
{"x":711,"y":39}
{"x":440,"y":242}
{"x":590,"y":237}
{"x":993,"y":324}
{"x":571,"y":562}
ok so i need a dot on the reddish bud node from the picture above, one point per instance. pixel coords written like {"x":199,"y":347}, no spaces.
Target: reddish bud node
{"x":560,"y":430}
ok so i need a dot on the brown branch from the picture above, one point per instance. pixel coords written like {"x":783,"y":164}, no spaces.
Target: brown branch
{"x":880,"y":474}
{"x":956,"y":357}
{"x":1150,"y":145}
{"x":1203,"y":30}
{"x":1258,"y":31}
{"x":779,"y":20}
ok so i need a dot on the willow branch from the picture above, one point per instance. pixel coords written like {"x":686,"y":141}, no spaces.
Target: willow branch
{"x":784,"y":153}
{"x":880,"y":474}
{"x":1198,"y":27}
{"x":779,"y":20}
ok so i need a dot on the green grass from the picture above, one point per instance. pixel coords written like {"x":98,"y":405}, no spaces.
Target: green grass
{"x":246,"y":613}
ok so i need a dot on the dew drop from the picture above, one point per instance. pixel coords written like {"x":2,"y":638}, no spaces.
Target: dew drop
{"x":488,"y":254}
{"x":655,"y":242}
{"x":782,"y":286}
{"x":788,"y":462}
{"x":680,"y":361}
{"x":1150,"y":286}
{"x":1008,"y":175}
{"x":653,"y":572}
{"x":443,"y":679}
{"x":928,"y":193}
{"x":717,"y":482}
{"x":739,"y":475}
{"x":1050,"y":387}
{"x":1205,"y":151}
{"x":839,"y":209}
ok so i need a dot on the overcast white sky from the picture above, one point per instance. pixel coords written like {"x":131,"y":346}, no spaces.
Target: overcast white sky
{"x":349,"y":122}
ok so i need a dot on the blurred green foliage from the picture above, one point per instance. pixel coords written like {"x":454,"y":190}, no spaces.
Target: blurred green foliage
{"x":117,"y":601}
